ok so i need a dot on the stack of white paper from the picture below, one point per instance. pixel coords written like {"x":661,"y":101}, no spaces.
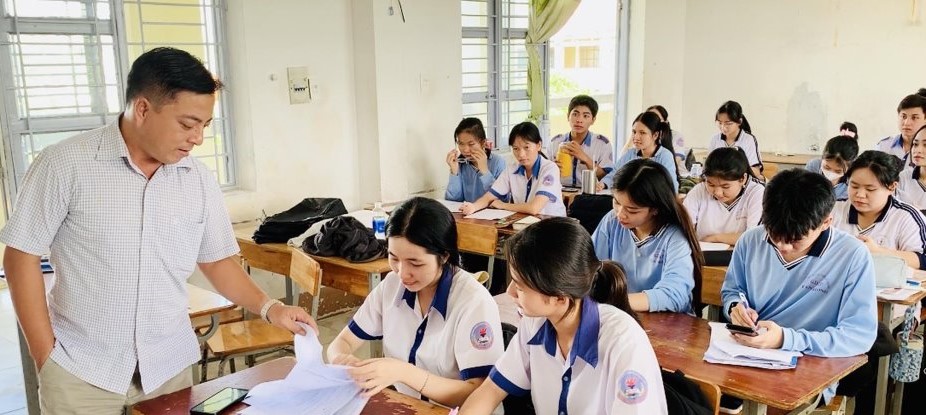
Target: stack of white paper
{"x":490,"y":214}
{"x":713,"y":246}
{"x":311,"y":388}
{"x":725,"y":350}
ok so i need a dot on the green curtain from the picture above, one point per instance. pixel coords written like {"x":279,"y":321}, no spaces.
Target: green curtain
{"x":546,"y":18}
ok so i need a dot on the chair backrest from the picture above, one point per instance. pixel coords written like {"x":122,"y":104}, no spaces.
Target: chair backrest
{"x":710,"y":391}
{"x":711,"y":281}
{"x":306,"y":272}
{"x":769,"y":170}
{"x":263,"y":258}
{"x":477,"y":238}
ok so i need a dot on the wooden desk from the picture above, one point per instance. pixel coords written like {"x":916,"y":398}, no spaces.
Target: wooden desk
{"x":785,"y":161}
{"x":207,"y":303}
{"x":179,"y":403}
{"x":680,"y":341}
{"x":356,"y":278}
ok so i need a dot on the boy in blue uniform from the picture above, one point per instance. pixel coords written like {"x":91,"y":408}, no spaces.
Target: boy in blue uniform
{"x":809,"y":286}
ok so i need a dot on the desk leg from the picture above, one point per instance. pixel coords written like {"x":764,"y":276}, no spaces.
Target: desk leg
{"x":897,"y":399}
{"x":376,"y":346}
{"x":883,"y":363}
{"x":754,"y":408}
{"x":30,"y":379}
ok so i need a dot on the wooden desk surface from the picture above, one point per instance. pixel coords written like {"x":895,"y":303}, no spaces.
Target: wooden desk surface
{"x":680,"y":341}
{"x":179,"y":403}
{"x":204,"y":302}
{"x":768,"y":156}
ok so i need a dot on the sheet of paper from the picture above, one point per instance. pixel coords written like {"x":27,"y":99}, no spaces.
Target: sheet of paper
{"x":312,"y":387}
{"x":897,"y":294}
{"x":453,"y":206}
{"x":724,"y":349}
{"x":491,"y":214}
{"x":713,"y":246}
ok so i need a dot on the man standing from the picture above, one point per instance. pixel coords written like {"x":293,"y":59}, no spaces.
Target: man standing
{"x":126,"y":215}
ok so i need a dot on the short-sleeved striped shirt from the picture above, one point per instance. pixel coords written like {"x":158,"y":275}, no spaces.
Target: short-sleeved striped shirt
{"x":123,"y":247}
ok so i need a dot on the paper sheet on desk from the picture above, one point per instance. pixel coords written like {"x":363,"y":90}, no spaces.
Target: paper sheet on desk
{"x":453,"y":206}
{"x":713,"y":246}
{"x":724,"y":349}
{"x":312,"y":387}
{"x":490,"y":214}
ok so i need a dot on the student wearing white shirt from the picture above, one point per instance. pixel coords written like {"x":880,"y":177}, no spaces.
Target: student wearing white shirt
{"x":729,"y":199}
{"x":912,"y":185}
{"x":650,"y":234}
{"x":736,"y":132}
{"x":885,"y":224}
{"x":811,"y":287}
{"x":652,"y":139}
{"x":579,"y":348}
{"x":531,"y":185}
{"x":838,"y":154}
{"x":440,"y":328}
{"x":588,"y":149}
{"x":678,"y":140}
{"x":911,"y":116}
{"x":471,"y":177}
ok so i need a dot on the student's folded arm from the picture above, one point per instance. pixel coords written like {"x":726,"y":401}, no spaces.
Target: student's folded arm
{"x":856,"y":325}
{"x":913,"y":242}
{"x":735,"y":281}
{"x":673,"y":291}
{"x":454,"y":190}
{"x":483,"y":400}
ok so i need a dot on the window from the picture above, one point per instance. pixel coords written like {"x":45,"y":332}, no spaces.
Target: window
{"x":64,"y":63}
{"x":588,"y":56}
{"x":494,"y":62}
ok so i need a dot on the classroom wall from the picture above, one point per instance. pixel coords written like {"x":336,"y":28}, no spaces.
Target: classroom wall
{"x":798,"y":68}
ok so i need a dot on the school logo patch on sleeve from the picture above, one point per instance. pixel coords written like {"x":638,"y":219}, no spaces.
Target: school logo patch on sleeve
{"x":481,"y":336}
{"x":632,"y":388}
{"x":548,"y":180}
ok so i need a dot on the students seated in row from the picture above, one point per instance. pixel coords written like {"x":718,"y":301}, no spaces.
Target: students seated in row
{"x":838,"y":154}
{"x":736,"y":132}
{"x":848,"y":129}
{"x":652,"y":139}
{"x":808,"y":287}
{"x":579,"y":348}
{"x":911,"y":116}
{"x":440,"y":328}
{"x":473,"y":167}
{"x":529,"y":186}
{"x":588,"y":149}
{"x":729,"y":199}
{"x":912,"y":185}
{"x":678,"y":140}
{"x":885,"y":224}
{"x":650,"y":234}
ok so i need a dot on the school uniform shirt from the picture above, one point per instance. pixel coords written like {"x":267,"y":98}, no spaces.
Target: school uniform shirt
{"x":824,"y":301}
{"x":743,"y":140}
{"x":893,"y":145}
{"x":900,"y":226}
{"x":840,"y":190}
{"x":513,"y":186}
{"x":659,"y":265}
{"x":661,"y":156}
{"x":678,"y":143}
{"x":597,"y":146}
{"x":711,"y":216}
{"x":611,"y":368}
{"x":910,"y":189}
{"x":469,"y":184}
{"x":459,"y":337}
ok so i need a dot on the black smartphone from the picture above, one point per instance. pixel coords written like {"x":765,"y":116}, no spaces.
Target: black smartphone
{"x":217,"y":403}
{"x":749,"y":331}
{"x":462,"y":159}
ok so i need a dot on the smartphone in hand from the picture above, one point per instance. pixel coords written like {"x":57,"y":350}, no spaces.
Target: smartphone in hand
{"x":217,"y":403}
{"x":748,"y":331}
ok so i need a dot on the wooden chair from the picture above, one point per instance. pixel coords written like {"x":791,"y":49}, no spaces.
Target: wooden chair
{"x":251,"y":337}
{"x":711,"y":282}
{"x":478,"y":239}
{"x":769,"y":170}
{"x":710,"y":391}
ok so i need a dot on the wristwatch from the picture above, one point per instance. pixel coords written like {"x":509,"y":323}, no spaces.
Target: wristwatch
{"x":266,"y":308}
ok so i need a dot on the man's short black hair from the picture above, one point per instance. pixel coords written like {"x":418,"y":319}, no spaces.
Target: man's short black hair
{"x":796,"y":202}
{"x":160,"y":73}
{"x":586,"y":101}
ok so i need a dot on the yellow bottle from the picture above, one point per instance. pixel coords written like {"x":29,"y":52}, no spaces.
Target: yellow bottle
{"x":565,"y":162}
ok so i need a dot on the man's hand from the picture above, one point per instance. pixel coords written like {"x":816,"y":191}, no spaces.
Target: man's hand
{"x":286,"y":317}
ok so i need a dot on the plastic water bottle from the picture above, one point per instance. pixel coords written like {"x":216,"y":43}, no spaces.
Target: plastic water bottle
{"x":379,"y":221}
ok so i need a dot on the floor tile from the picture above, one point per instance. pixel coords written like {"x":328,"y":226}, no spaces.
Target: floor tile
{"x":12,"y":394}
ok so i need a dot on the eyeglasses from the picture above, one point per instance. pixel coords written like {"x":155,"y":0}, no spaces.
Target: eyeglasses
{"x":725,"y":123}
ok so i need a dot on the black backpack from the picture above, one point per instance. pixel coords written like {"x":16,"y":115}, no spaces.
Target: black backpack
{"x":296,"y":220}
{"x":589,"y":209}
{"x":346,"y":237}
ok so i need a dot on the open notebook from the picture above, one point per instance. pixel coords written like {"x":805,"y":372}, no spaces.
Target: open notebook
{"x":724,"y":350}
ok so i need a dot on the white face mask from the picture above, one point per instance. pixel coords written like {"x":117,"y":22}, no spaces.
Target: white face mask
{"x":831,"y":176}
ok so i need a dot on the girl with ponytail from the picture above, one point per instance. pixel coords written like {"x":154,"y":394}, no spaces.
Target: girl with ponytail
{"x":736,"y":132}
{"x":652,"y":139}
{"x":575,"y":310}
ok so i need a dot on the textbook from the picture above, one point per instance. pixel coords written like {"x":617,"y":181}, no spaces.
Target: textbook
{"x":524,"y":222}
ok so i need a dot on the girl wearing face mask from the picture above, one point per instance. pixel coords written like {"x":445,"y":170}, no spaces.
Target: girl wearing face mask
{"x":729,"y":199}
{"x":473,"y":167}
{"x":838,"y":154}
{"x":736,"y":132}
{"x":440,"y":328}
{"x":912,"y":185}
{"x":531,"y":185}
{"x":885,"y":224}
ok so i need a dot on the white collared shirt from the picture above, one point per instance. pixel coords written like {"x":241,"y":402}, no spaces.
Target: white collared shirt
{"x":745,"y":141}
{"x":596,"y":146}
{"x":460,"y":337}
{"x":893,"y":145}
{"x":123,"y":247}
{"x":910,"y":189}
{"x":711,"y":216}
{"x":899,"y":226}
{"x":611,"y":369}
{"x":514,"y":186}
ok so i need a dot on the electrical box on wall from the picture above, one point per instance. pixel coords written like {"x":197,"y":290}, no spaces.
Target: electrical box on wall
{"x":299,"y":88}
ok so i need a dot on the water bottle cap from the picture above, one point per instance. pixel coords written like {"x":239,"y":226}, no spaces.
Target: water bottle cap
{"x":377,"y":205}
